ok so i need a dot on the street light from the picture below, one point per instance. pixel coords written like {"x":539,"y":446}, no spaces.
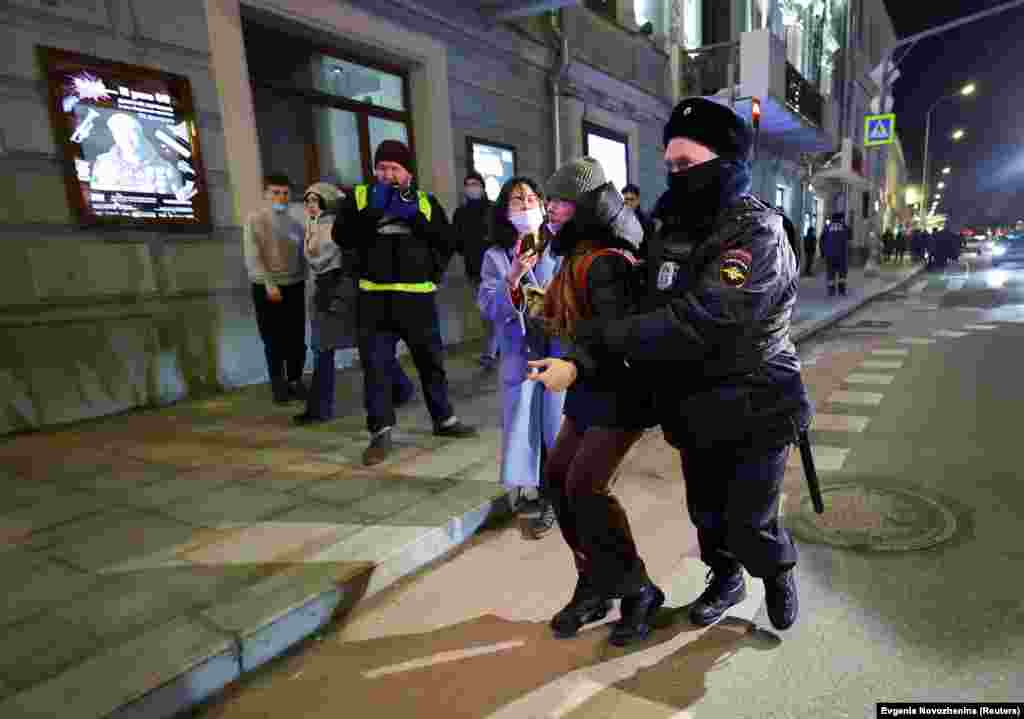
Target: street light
{"x":946,"y":170}
{"x":958,"y":134}
{"x":965,"y":91}
{"x":941,"y":185}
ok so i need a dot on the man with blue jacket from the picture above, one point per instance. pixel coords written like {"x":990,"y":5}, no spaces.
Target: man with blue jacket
{"x":715,"y":340}
{"x":835,"y":248}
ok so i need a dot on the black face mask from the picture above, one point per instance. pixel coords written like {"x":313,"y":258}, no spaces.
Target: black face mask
{"x":698,"y":181}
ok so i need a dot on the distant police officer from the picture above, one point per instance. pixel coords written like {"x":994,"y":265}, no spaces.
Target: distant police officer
{"x":835,"y":248}
{"x":715,"y":340}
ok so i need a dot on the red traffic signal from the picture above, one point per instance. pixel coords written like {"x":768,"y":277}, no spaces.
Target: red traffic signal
{"x":755,"y":112}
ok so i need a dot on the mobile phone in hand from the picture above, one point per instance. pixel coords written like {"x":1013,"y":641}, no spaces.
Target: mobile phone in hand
{"x":528,"y":245}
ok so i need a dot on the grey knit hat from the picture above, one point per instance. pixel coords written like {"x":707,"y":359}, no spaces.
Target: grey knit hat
{"x":326,"y":192}
{"x":574,"y":179}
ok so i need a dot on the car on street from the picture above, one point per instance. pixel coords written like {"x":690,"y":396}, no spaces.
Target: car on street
{"x":1007,"y":249}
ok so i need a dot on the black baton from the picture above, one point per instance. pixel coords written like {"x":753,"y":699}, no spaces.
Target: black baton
{"x":810,"y":473}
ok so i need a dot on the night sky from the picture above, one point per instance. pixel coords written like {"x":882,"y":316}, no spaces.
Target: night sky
{"x":986,"y":184}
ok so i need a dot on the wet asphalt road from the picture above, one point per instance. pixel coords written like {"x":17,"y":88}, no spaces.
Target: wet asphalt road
{"x":919,"y":398}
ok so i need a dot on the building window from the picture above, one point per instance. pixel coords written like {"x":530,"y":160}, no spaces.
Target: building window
{"x":609,"y":148}
{"x":604,"y":7}
{"x":321,"y":114}
{"x":780,"y":196}
{"x":495,"y":161}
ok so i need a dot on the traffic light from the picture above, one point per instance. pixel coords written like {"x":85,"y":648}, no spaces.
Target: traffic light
{"x":755,"y":113}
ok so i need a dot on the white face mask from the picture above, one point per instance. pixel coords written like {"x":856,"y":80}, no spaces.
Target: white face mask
{"x":474,"y":193}
{"x":527,"y":221}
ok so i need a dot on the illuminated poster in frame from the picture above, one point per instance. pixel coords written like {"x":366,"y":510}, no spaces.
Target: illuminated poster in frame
{"x":129,"y":142}
{"x":494,"y":161}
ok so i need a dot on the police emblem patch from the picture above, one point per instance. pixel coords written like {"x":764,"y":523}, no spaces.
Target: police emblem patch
{"x":667,"y":275}
{"x":735,"y":268}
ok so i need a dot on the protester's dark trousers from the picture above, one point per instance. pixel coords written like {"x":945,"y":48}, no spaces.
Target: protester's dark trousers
{"x":578,"y":478}
{"x":321,"y":395}
{"x":734,"y":504}
{"x":385,"y":318}
{"x":282,"y":327}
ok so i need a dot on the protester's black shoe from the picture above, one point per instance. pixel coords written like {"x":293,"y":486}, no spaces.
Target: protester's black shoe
{"x":380,"y":447}
{"x":279,"y":388}
{"x":637,"y":610}
{"x":724,"y":591}
{"x":585,"y":607}
{"x":842,"y":290}
{"x":306,"y":418}
{"x":456,"y":429}
{"x":781,"y":599}
{"x":297,"y":391}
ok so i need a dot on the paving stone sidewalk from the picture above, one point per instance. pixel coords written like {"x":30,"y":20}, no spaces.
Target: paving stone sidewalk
{"x":151,"y":558}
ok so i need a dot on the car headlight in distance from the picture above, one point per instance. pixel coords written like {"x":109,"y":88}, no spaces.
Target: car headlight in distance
{"x":999,"y":250}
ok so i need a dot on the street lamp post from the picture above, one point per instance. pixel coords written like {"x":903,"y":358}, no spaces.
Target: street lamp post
{"x":964,"y":91}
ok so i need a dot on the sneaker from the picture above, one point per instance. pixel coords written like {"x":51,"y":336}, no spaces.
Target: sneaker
{"x":724,"y":590}
{"x":379,"y":449}
{"x":456,"y":429}
{"x":637,"y":610}
{"x":585,"y":607}
{"x":536,"y":524}
{"x":781,"y":600}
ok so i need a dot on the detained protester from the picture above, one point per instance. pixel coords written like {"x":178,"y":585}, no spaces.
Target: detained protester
{"x":606,"y":407}
{"x":715,"y":339}
{"x":470,"y":226}
{"x":515,"y":272}
{"x":272,"y":244}
{"x":395,"y":242}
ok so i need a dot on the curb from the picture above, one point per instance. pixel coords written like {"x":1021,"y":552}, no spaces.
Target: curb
{"x":816,"y":327}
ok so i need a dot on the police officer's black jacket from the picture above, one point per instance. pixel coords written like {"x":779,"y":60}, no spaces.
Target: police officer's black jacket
{"x":714,"y":335}
{"x":389,"y":251}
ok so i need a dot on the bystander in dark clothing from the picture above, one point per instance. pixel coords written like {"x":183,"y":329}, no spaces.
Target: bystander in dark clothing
{"x":470,"y":239}
{"x":810,"y":250}
{"x":835,"y":248}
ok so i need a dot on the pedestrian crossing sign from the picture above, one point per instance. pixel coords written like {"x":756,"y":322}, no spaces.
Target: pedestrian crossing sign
{"x":879,"y":129}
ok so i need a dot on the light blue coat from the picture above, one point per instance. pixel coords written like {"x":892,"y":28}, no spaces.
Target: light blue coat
{"x":530,"y":413}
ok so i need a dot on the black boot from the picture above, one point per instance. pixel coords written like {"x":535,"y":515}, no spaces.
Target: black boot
{"x":724,"y":590}
{"x":585,"y":607}
{"x":297,"y":391}
{"x":637,"y":611}
{"x":842,"y":289}
{"x":279,"y":388}
{"x":781,"y":600}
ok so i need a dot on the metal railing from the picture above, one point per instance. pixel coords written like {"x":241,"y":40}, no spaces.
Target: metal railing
{"x":710,"y":69}
{"x":802,"y":98}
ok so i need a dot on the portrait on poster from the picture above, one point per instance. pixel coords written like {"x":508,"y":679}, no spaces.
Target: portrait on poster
{"x":129,"y":140}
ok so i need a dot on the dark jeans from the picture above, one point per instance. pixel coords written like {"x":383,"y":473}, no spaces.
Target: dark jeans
{"x":809,"y":252}
{"x":578,"y":477}
{"x":320,"y":402}
{"x":385,"y":318}
{"x":836,"y":267}
{"x":734,"y":504}
{"x":282,"y":327}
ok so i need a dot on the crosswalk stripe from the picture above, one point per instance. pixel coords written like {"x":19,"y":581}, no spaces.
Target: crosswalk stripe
{"x":864,"y":378}
{"x":859,"y":398}
{"x":891,"y":352}
{"x":980,"y":327}
{"x":950,"y":333}
{"x":880,"y":364}
{"x":826,"y":459}
{"x":916,"y":341}
{"x":839,"y":423}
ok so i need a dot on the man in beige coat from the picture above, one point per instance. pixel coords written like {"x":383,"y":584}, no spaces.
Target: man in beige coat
{"x":272,"y":242}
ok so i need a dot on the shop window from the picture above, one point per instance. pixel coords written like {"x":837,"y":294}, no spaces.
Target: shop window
{"x":320,"y":114}
{"x":609,"y":148}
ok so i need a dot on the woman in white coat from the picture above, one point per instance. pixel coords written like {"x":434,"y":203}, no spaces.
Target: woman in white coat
{"x":520,"y":262}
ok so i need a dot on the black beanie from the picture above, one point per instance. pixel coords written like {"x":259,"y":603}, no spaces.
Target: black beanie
{"x":713,"y":125}
{"x":473,"y":175}
{"x":393,"y":151}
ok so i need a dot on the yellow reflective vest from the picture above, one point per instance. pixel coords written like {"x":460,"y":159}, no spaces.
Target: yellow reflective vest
{"x":362,"y":193}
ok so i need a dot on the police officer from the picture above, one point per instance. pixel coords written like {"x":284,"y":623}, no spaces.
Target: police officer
{"x":835,"y":248}
{"x":715,"y":339}
{"x":395,"y":240}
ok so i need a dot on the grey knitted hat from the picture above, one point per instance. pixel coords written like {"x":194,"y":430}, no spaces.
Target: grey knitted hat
{"x":574,"y":179}
{"x":326,"y":192}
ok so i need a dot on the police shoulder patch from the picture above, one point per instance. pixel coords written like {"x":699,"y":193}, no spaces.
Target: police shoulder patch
{"x":734,"y":267}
